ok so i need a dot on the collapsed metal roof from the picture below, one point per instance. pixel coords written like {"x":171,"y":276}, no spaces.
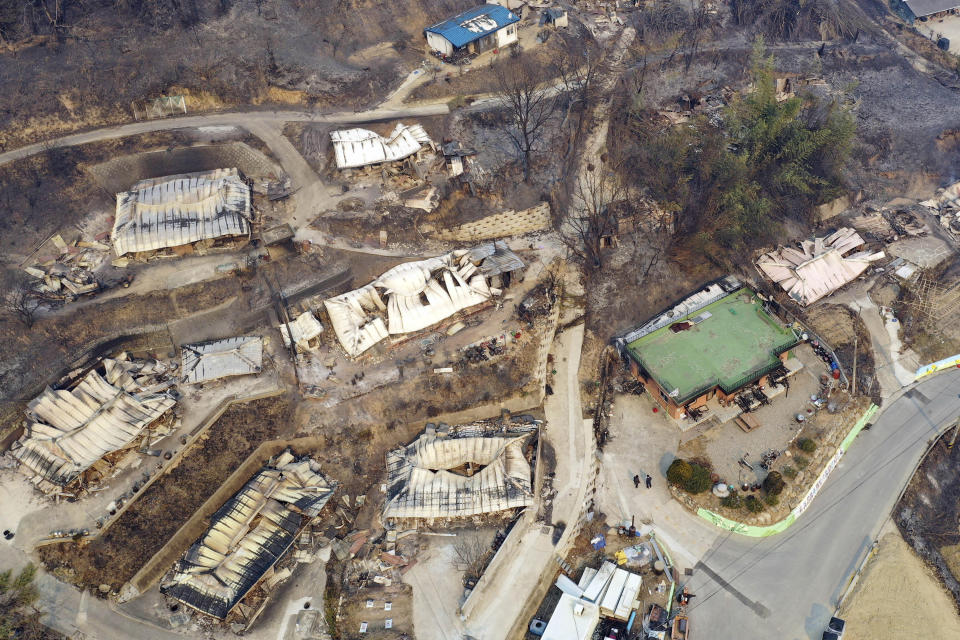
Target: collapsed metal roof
{"x":69,"y":430}
{"x":362,"y":147}
{"x":177,"y":210}
{"x":420,"y":483}
{"x":818,"y":267}
{"x":248,"y":535}
{"x":221,"y":358}
{"x":418,"y":294}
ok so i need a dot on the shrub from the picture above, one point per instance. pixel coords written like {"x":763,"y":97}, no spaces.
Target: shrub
{"x":773,"y":484}
{"x":801,"y":462}
{"x":699,"y":480}
{"x":772,"y":500}
{"x":790,"y":472}
{"x":807,"y":445}
{"x":679,"y":471}
{"x":753,"y":504}
{"x":732,"y":501}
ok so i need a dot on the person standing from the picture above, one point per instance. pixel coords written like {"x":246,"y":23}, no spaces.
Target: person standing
{"x":636,"y":482}
{"x":649,"y":481}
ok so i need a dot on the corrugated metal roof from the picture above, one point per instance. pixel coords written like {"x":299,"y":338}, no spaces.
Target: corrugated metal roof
{"x":70,"y":430}
{"x":921,"y":8}
{"x":178,"y":210}
{"x":221,"y":358}
{"x":474,"y":24}
{"x":248,"y":534}
{"x":419,"y":484}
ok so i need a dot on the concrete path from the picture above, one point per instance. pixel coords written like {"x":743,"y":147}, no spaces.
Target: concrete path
{"x":515,"y":574}
{"x":787,"y":586}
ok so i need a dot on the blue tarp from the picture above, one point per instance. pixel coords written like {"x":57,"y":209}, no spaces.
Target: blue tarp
{"x":474,"y":24}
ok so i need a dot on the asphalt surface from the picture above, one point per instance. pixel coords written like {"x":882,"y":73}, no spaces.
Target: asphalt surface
{"x":788,"y":586}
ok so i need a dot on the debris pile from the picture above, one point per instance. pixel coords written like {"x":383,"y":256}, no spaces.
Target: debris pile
{"x":71,"y":274}
{"x":946,"y":206}
{"x":415,"y":295}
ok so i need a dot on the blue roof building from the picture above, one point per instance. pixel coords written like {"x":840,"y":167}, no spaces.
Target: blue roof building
{"x":475,"y":30}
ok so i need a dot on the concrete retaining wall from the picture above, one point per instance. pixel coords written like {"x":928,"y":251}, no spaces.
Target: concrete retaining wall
{"x":501,"y":225}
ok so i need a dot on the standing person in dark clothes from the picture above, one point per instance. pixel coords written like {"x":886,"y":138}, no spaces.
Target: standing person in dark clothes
{"x":636,"y":482}
{"x":649,"y":481}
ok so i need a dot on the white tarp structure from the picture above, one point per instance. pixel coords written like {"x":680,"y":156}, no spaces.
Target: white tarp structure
{"x":416,"y":295}
{"x":362,"y":147}
{"x":229,"y":357}
{"x":70,"y":430}
{"x":424,"y":479}
{"x":178,"y":210}
{"x":304,"y":329}
{"x":248,"y":535}
{"x":819,"y":267}
{"x":574,"y":618}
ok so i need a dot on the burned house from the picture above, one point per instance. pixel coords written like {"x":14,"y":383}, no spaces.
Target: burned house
{"x":708,"y":346}
{"x":208,"y":361}
{"x":819,"y":266}
{"x":415,"y":295}
{"x":354,"y":148}
{"x":461,"y":471}
{"x":248,"y":535}
{"x":178,"y":210}
{"x":489,"y":26}
{"x":77,"y":434}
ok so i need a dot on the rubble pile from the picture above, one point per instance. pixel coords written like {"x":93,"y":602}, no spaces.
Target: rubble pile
{"x":71,"y":274}
{"x":946,"y":206}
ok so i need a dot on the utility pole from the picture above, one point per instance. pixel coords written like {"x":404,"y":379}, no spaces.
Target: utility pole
{"x":953,"y":438}
{"x":853,"y":381}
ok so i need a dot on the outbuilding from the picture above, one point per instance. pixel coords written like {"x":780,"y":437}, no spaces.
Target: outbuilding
{"x":489,"y":26}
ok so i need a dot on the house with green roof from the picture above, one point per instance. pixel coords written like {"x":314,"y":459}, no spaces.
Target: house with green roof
{"x":711,"y":344}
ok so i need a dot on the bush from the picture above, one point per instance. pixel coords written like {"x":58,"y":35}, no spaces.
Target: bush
{"x":807,"y":445}
{"x":790,"y":472}
{"x":801,"y":462}
{"x":679,"y":472}
{"x":753,"y":504}
{"x":699,"y":480}
{"x":773,"y":484}
{"x":732,"y":501}
{"x":772,"y":500}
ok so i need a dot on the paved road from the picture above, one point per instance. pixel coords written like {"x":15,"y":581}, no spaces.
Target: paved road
{"x":787,"y":586}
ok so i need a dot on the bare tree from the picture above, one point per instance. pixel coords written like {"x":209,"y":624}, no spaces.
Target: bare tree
{"x":604,"y":213}
{"x":23,"y":302}
{"x":592,"y":219}
{"x":530,"y":103}
{"x":471,"y":552}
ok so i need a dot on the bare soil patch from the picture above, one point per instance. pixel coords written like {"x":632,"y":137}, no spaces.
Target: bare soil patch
{"x":170,"y":501}
{"x":897,"y":581}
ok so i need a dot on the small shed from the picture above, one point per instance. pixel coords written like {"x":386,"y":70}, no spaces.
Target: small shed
{"x":221,"y":358}
{"x":554,"y":16}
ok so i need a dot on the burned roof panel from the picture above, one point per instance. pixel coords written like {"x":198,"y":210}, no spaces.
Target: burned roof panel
{"x":248,"y":535}
{"x":178,"y":210}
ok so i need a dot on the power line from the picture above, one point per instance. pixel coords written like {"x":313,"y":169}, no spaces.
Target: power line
{"x":810,"y":521}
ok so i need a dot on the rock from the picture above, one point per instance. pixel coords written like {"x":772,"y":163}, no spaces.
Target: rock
{"x":104,"y":588}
